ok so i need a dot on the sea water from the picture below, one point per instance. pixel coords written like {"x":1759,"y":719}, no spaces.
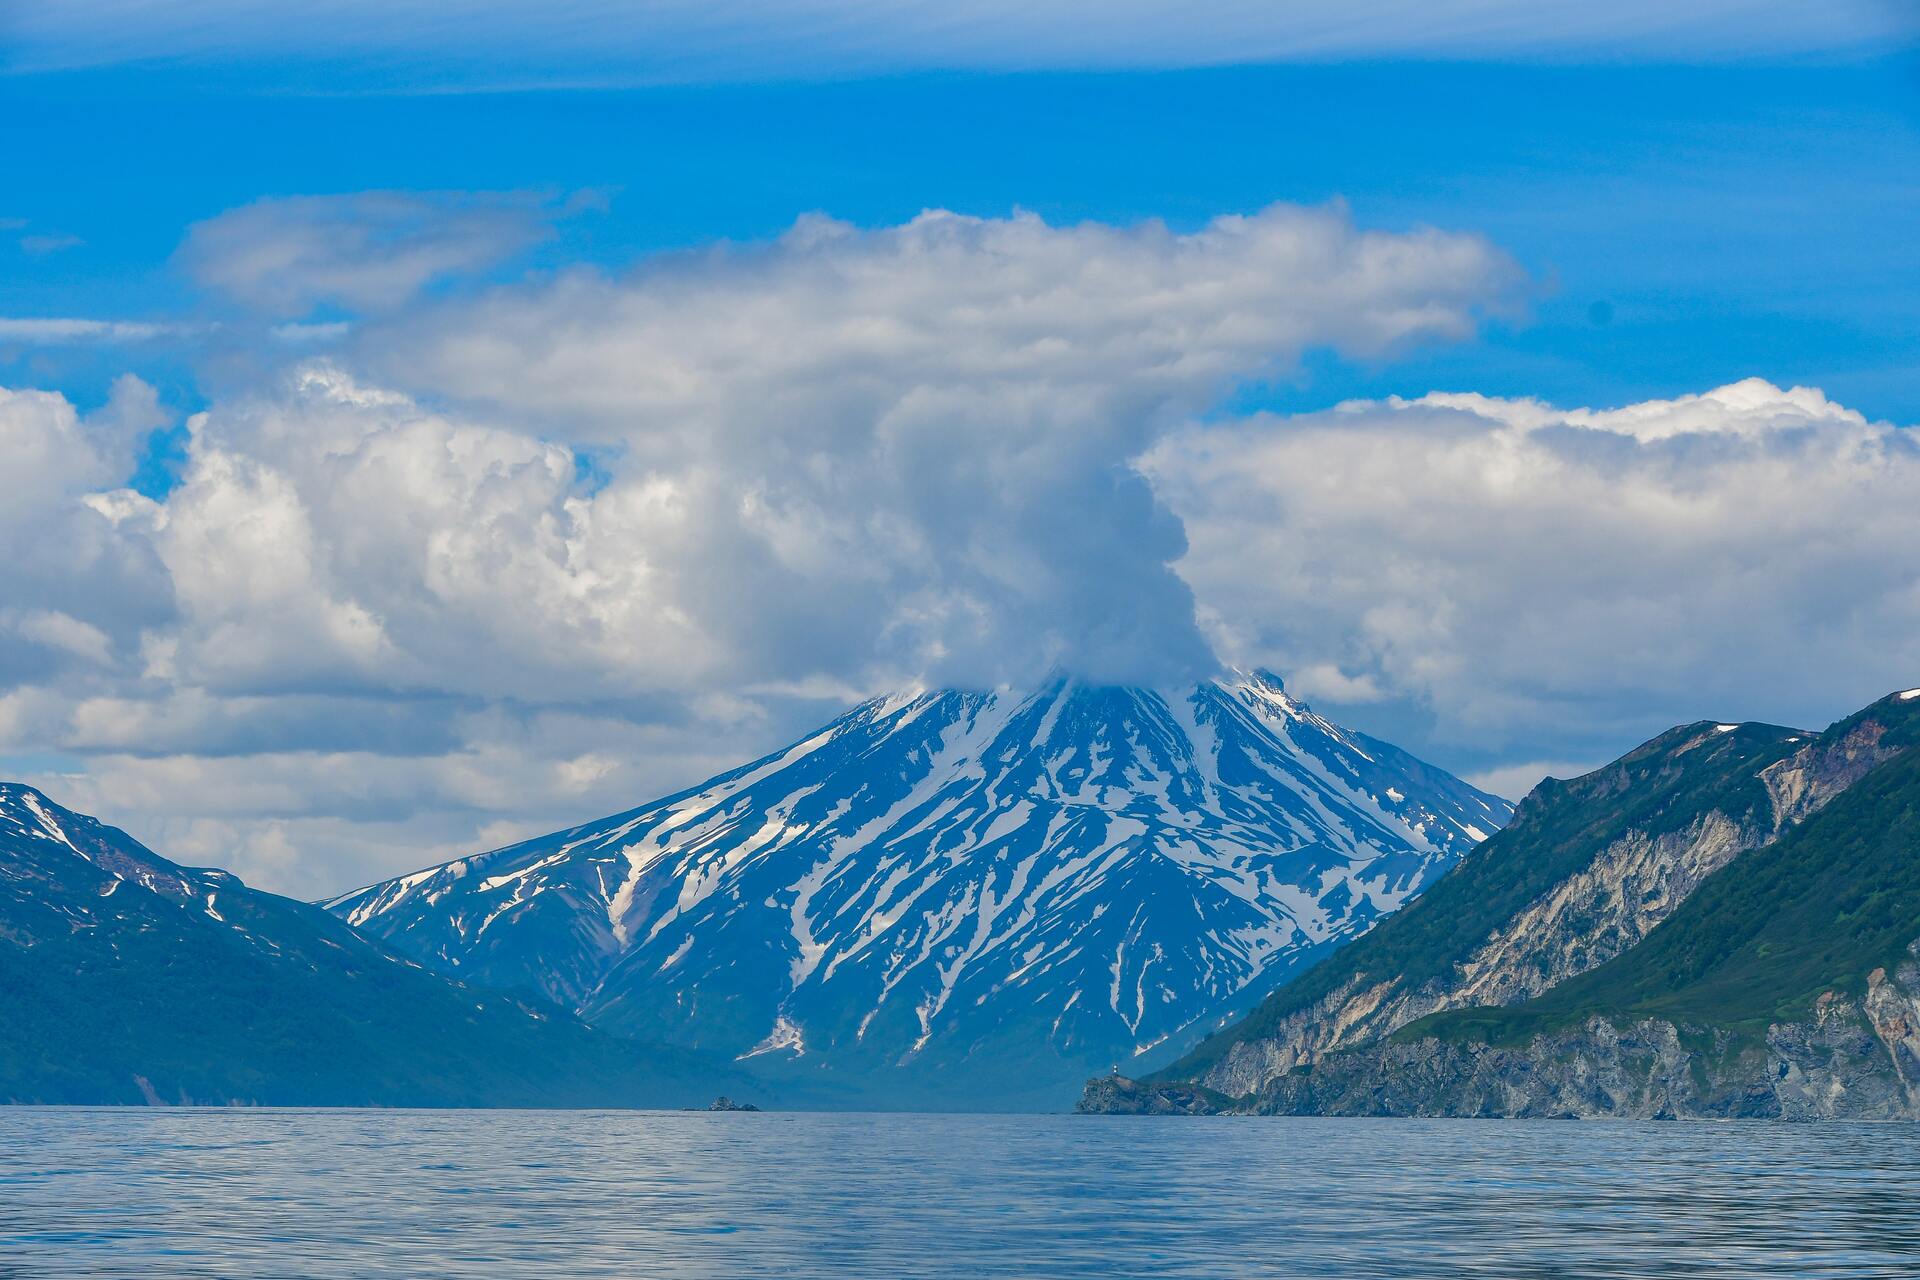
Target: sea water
{"x":639,"y":1194}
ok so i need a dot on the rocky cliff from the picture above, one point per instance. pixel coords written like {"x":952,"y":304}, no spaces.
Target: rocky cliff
{"x":1849,"y":1059}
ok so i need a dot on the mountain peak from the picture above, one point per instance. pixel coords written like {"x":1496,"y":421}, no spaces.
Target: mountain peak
{"x":1260,"y":676}
{"x":998,"y":886}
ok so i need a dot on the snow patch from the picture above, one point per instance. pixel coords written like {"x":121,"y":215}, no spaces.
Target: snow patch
{"x":786,"y":1034}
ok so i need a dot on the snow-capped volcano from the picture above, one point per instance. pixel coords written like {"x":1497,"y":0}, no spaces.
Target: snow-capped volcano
{"x":959,"y":897}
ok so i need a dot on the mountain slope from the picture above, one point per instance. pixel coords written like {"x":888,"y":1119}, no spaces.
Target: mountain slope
{"x":1783,"y":984}
{"x":129,"y":979}
{"x":962,"y":899}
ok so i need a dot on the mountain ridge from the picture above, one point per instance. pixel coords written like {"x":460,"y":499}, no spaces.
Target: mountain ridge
{"x":1810,"y":1020}
{"x":132,"y":979}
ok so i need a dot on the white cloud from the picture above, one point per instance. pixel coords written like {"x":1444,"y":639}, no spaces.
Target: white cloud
{"x":117,"y":432}
{"x":79,"y":589}
{"x":53,"y":242}
{"x":1567,"y":579}
{"x":844,"y":460}
{"x":47,"y":452}
{"x":369,"y":250}
{"x":910,"y":448}
{"x":430,"y":43}
{"x":1516,"y":780}
{"x":47,"y":331}
{"x":58,"y":630}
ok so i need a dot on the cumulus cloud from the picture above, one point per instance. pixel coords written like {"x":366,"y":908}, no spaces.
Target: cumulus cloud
{"x":914,"y":443}
{"x":366,"y":251}
{"x":63,"y":554}
{"x":1566,"y":579}
{"x":458,"y":574}
{"x":117,"y":432}
{"x":79,"y":592}
{"x":121,"y":644}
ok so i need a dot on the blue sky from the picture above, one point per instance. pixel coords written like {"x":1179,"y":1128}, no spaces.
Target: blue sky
{"x":321,"y":671}
{"x":1688,"y":224}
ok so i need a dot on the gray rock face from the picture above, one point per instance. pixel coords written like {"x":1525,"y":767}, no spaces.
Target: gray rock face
{"x":1603,"y":1070}
{"x":1807,"y":781}
{"x":1853,"y":1060}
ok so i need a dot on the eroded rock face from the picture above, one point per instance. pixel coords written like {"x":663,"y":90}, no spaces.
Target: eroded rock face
{"x":1639,"y":1070}
{"x":1803,"y":784}
{"x":1584,"y":921}
{"x":1595,"y":915}
{"x":1852,"y":1059}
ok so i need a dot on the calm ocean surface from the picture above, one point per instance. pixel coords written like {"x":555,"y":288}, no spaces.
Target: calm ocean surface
{"x":422,"y":1194}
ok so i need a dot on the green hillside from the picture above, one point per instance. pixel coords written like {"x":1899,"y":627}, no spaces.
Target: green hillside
{"x":127,"y":978}
{"x":1817,"y":910}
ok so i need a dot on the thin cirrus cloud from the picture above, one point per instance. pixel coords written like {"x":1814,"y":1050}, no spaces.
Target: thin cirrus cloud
{"x":433,"y":42}
{"x":41,"y":245}
{"x":62,"y":330}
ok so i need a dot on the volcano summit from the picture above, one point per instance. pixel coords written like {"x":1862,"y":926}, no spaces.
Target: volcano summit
{"x":960,"y":899}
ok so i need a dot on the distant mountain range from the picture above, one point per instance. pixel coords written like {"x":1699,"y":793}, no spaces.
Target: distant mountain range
{"x":960,"y":899}
{"x":1724,"y":922}
{"x":125,"y":978}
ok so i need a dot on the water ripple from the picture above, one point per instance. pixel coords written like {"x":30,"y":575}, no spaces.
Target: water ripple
{"x":159,"y":1194}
